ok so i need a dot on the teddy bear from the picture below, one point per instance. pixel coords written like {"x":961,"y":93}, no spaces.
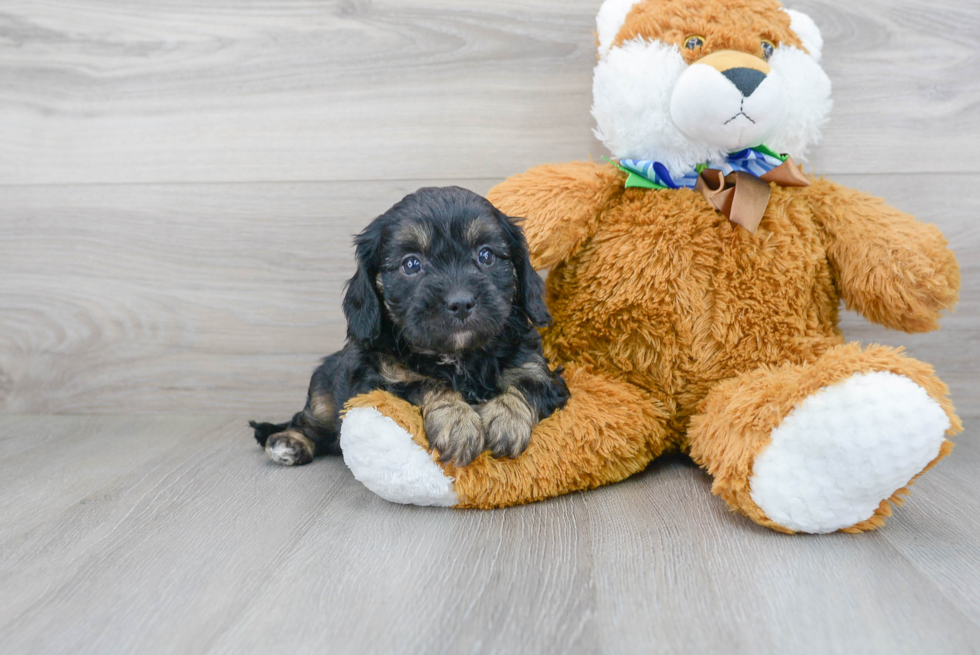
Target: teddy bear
{"x":695,"y":280}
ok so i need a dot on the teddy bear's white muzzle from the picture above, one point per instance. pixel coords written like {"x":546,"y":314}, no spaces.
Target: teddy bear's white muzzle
{"x":730,"y":110}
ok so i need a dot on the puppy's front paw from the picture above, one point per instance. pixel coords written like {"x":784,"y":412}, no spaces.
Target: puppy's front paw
{"x":290,"y":448}
{"x":453,"y":428}
{"x":507,"y":423}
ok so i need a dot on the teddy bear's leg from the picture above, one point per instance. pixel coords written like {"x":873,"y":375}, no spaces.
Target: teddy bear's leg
{"x":382,"y":439}
{"x":608,"y":431}
{"x":824,"y":446}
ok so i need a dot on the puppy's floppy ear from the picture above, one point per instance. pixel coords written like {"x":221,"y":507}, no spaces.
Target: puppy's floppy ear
{"x":530,"y":286}
{"x":362,"y":307}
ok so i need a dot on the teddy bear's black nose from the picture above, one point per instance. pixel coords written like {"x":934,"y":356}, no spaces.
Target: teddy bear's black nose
{"x":746,"y":80}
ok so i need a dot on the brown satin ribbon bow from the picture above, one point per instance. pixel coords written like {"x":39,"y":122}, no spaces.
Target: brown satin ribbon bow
{"x":743,"y":197}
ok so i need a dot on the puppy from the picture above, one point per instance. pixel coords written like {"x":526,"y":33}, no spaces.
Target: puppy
{"x":441,"y":313}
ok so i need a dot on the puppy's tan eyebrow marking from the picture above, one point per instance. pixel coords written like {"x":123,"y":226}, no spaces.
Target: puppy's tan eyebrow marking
{"x":415,"y":236}
{"x":480,"y":230}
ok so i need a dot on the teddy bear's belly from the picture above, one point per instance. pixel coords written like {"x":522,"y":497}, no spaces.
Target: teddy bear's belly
{"x":682,"y":298}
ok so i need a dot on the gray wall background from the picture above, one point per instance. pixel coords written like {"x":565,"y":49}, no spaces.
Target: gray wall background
{"x":180,"y":181}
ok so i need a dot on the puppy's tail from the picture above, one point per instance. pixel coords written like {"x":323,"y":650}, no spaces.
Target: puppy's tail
{"x":264,"y":430}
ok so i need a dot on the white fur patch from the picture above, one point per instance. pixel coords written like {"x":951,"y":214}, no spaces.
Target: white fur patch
{"x":807,"y":90}
{"x":844,"y":449}
{"x":808,"y":32}
{"x":383,"y":457}
{"x":610,"y":19}
{"x":282,"y":453}
{"x":631,"y":91}
{"x":462,"y":339}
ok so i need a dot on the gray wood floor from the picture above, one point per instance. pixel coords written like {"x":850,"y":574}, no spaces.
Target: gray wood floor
{"x":173,"y":535}
{"x":179,"y":182}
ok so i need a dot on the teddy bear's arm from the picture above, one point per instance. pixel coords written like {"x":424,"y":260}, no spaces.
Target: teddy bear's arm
{"x":560,"y":204}
{"x":893,"y":269}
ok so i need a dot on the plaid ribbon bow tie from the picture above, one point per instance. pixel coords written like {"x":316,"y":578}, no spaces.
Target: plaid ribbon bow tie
{"x":738,"y":187}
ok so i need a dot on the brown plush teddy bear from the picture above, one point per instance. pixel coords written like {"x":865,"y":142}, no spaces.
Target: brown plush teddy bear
{"x":695,"y":285}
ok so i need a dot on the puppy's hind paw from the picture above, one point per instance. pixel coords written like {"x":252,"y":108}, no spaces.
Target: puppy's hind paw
{"x":290,"y":448}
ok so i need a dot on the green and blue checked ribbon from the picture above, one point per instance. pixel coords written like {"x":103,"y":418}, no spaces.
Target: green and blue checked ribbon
{"x":648,"y":174}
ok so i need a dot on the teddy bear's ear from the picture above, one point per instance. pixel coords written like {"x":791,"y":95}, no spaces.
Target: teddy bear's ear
{"x":612,"y":14}
{"x":808,"y":32}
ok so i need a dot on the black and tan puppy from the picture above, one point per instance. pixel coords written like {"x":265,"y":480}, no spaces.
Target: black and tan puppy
{"x":441,"y":313}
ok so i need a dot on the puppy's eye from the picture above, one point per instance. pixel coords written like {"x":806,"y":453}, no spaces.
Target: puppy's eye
{"x":486,"y":257}
{"x":694,"y":42}
{"x":411,"y":265}
{"x":767,"y":50}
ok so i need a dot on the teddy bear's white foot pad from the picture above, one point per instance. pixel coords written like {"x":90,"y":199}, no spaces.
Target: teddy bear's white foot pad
{"x":383,"y":457}
{"x":844,"y":449}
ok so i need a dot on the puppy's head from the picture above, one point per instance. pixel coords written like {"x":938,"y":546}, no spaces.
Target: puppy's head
{"x":443,"y":270}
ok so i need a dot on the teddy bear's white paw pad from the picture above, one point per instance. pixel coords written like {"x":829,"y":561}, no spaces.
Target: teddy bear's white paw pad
{"x":844,"y":449}
{"x":382,"y":456}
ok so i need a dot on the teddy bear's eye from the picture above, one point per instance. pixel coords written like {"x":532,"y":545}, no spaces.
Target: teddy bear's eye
{"x":767,"y":49}
{"x":693,"y":42}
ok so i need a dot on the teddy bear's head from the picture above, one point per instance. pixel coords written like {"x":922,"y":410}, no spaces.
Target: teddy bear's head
{"x":685,"y":82}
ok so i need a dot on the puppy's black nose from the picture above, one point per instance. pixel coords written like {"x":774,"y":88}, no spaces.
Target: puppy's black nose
{"x":460,"y":305}
{"x":746,"y":80}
